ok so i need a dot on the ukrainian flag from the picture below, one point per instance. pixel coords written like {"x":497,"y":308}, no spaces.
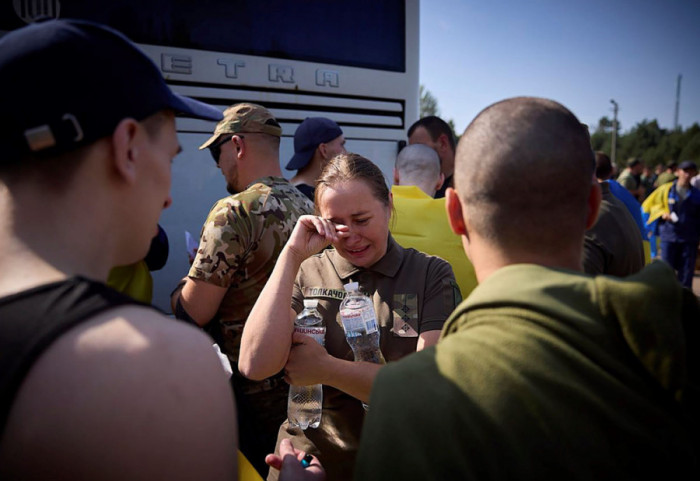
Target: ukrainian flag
{"x":654,"y":207}
{"x":634,"y":208}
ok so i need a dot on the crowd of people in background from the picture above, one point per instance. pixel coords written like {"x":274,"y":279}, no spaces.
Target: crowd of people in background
{"x":527,"y":330}
{"x":670,"y":205}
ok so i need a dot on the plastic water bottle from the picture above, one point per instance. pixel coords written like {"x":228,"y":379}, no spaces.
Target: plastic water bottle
{"x":360,"y":325}
{"x":305,"y":402}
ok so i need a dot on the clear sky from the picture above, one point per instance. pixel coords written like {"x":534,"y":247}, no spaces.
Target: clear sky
{"x":581,"y":54}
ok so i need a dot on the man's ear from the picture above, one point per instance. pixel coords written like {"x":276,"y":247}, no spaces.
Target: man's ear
{"x":239,"y":145}
{"x":126,"y":149}
{"x":396,"y":176}
{"x":455,"y":216}
{"x":441,"y":180}
{"x":323,"y":150}
{"x":595,"y":197}
{"x":443,"y":144}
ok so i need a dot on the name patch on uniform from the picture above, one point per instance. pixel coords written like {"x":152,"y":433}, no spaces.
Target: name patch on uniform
{"x":324,"y":292}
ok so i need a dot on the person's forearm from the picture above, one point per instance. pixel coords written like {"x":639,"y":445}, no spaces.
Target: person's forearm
{"x":267,"y":334}
{"x":353,"y":378}
{"x":178,"y":306}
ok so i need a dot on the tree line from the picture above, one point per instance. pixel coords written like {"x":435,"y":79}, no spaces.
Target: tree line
{"x":648,"y":142}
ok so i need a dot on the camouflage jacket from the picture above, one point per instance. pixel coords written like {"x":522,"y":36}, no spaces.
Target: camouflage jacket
{"x":239,"y":245}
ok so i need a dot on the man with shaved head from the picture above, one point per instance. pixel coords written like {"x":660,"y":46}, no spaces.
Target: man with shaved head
{"x":419,"y":220}
{"x":526,"y":185}
{"x":419,"y":165}
{"x":544,"y":372}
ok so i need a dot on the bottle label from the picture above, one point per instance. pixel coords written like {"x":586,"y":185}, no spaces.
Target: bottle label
{"x":318,"y":333}
{"x":370,"y":320}
{"x":356,"y":322}
{"x":352,"y":322}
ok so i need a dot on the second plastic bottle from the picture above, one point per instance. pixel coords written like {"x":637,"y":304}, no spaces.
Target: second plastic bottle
{"x":304,"y":405}
{"x":360,"y":325}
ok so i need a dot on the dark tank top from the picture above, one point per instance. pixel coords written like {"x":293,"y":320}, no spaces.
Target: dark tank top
{"x":33,"y":319}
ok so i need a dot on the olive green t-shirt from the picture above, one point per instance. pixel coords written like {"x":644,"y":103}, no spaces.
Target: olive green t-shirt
{"x":544,"y":374}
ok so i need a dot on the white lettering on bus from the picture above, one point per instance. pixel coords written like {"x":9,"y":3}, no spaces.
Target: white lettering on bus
{"x":281,"y":73}
{"x":176,"y":63}
{"x":327,"y":77}
{"x":231,"y":66}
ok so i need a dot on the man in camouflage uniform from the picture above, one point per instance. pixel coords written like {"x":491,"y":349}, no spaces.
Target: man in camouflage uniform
{"x":239,"y":245}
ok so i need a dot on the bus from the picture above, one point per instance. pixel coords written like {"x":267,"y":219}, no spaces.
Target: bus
{"x":355,"y":62}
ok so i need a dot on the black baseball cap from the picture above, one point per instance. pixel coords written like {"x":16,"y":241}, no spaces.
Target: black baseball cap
{"x":67,"y":83}
{"x":310,"y":133}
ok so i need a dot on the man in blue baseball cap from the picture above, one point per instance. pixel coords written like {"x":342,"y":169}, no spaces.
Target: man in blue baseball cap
{"x":94,"y":385}
{"x":316,"y":141}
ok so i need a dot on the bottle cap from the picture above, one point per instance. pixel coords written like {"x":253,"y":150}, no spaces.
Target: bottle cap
{"x":312,"y":303}
{"x":351,"y":286}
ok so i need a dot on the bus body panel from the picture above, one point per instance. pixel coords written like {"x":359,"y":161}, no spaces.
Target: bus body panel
{"x":371,"y":93}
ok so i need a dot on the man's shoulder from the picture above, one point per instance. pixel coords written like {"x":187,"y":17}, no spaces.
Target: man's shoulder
{"x":409,"y":192}
{"x":131,"y":345}
{"x":293,"y":198}
{"x":111,"y":375}
{"x":534,"y":291}
{"x":276,"y":196}
{"x":420,"y":220}
{"x":124,"y":326}
{"x":277,"y":204}
{"x":273,"y":202}
{"x":306,"y":189}
{"x":254,"y":193}
{"x":411,"y":197}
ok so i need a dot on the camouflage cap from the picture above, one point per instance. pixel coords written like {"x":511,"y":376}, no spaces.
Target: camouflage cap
{"x":242,"y":118}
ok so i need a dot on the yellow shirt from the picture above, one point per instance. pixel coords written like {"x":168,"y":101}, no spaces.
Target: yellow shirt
{"x":246,"y":471}
{"x":421,"y":223}
{"x":133,"y":280}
